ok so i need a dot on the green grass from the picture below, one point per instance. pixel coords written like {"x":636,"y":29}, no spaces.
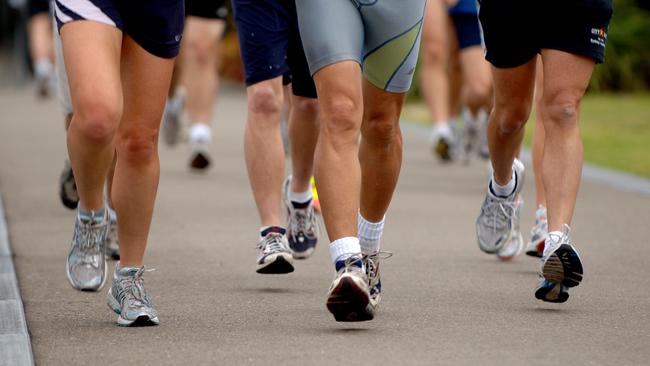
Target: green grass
{"x":615,"y":130}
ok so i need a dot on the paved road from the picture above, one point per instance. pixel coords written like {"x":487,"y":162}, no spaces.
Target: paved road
{"x":445,"y":302}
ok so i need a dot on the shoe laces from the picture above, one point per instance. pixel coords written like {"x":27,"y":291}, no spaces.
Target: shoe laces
{"x":90,"y":238}
{"x":372,"y":265}
{"x":272,"y":242}
{"x":500,"y":213}
{"x":556,"y":240}
{"x":303,"y":221}
{"x":132,"y":290}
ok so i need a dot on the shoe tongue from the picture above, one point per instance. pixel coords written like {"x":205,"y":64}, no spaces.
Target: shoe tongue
{"x":273,"y":229}
{"x":353,"y":262}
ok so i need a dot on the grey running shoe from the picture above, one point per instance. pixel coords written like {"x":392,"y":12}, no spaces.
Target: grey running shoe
{"x":68,"y":188}
{"x":275,"y":257}
{"x":171,"y":124}
{"x":538,"y":234}
{"x":86,"y":264}
{"x":499,"y":217}
{"x":348,"y":298}
{"x":112,"y":243}
{"x":128,"y":298}
{"x":302,"y":228}
{"x":371,"y":263}
{"x":515,"y":245}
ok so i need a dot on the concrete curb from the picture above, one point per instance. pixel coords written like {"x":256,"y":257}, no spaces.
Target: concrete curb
{"x":591,"y":173}
{"x":15,"y":345}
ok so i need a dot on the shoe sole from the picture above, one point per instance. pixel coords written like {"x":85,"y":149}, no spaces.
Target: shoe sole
{"x":200,"y":161}
{"x":538,"y":249}
{"x":442,"y":149}
{"x":563,"y":267}
{"x":280,"y":265}
{"x":551,"y":294}
{"x":303,"y":255}
{"x":141,"y":321}
{"x":520,"y":247}
{"x":349,"y":302}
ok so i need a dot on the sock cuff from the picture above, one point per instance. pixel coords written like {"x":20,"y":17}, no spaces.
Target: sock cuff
{"x":94,"y":215}
{"x":344,"y":247}
{"x":300,"y":197}
{"x":265,"y":230}
{"x":370,"y":230}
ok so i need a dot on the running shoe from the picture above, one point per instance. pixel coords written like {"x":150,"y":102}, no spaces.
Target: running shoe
{"x":128,"y":298}
{"x":199,"y":139}
{"x":171,"y":124}
{"x":275,"y":256}
{"x":302,"y":228}
{"x":442,"y":141}
{"x":483,"y":150}
{"x":515,"y":245}
{"x":68,"y":188}
{"x":112,"y":243}
{"x":560,"y":266}
{"x":86,"y":263}
{"x":348,"y":298}
{"x":499,"y":217}
{"x":371,"y":263}
{"x":538,"y":234}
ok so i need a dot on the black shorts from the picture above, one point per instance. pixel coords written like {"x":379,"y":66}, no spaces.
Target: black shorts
{"x":270,"y":44}
{"x":156,"y":25}
{"x":514,"y":31}
{"x":35,"y":7}
{"x":468,"y":32}
{"x":209,"y":9}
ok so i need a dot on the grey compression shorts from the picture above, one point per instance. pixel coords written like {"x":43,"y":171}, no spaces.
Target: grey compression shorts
{"x":383,"y":36}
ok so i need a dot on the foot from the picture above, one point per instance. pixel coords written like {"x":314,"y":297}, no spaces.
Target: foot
{"x":561,"y":268}
{"x":515,"y":244}
{"x":86,"y":263}
{"x":112,"y":243}
{"x":302,"y":228}
{"x":171,"y":124}
{"x":199,"y":139}
{"x":68,"y":188}
{"x":470,"y":136}
{"x":538,"y":234}
{"x":128,"y":298}
{"x":275,"y":256}
{"x":499,"y":217}
{"x":348,"y":298}
{"x":371,"y":263}
{"x":442,"y":141}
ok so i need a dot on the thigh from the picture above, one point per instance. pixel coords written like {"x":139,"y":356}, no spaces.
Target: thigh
{"x":473,"y":65}
{"x":145,"y":82}
{"x":331,"y":32}
{"x":566,"y":75}
{"x":514,"y":87}
{"x":509,"y":29}
{"x":207,"y":31}
{"x":392,"y":32}
{"x":92,"y":60}
{"x":262,"y":27}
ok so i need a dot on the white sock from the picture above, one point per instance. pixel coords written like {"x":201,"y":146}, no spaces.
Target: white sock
{"x":370,"y":234}
{"x":441,"y":129}
{"x":344,"y":248}
{"x":201,"y":133}
{"x":112,"y":215}
{"x":300,"y":197}
{"x":503,"y":191}
{"x":43,"y":68}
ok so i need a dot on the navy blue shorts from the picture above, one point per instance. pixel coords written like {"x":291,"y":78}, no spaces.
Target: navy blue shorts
{"x":35,"y":7}
{"x":468,"y":31}
{"x":156,"y":25}
{"x":208,"y":9}
{"x":270,"y":44}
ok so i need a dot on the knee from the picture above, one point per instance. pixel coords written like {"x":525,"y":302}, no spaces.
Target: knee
{"x":264,"y":99}
{"x":202,"y":49}
{"x":561,"y":109}
{"x":305,"y":105}
{"x":511,"y":118}
{"x":138,"y":145}
{"x":433,"y":53}
{"x":341,"y":118}
{"x":479,"y":93}
{"x":381,"y":128}
{"x":97,"y":119}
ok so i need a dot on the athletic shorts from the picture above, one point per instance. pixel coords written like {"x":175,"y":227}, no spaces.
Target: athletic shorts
{"x":514,"y":31}
{"x":468,"y":31}
{"x":270,"y":44}
{"x":156,"y":25}
{"x":62,"y":84}
{"x":35,"y":7}
{"x":209,"y":9}
{"x":383,"y":36}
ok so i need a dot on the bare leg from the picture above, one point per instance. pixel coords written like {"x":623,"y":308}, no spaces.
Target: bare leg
{"x":338,"y":174}
{"x":380,"y":153}
{"x":539,"y":136}
{"x":97,"y":105}
{"x":263,"y":148}
{"x":477,"y":81}
{"x":41,"y":46}
{"x":434,"y":83}
{"x":513,"y":89}
{"x":566,"y":78}
{"x":303,"y":133}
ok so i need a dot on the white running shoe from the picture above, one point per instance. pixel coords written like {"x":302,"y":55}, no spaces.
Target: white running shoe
{"x":561,"y":268}
{"x":538,"y":234}
{"x":200,"y":138}
{"x":442,"y":141}
{"x":515,"y":245}
{"x":275,"y":256}
{"x":348,"y":298}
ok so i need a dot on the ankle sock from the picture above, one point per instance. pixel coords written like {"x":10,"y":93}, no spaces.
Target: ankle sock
{"x":265,"y":230}
{"x":97,"y":216}
{"x":300,"y":198}
{"x":370,"y":234}
{"x":506,"y":190}
{"x":342,"y":249}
